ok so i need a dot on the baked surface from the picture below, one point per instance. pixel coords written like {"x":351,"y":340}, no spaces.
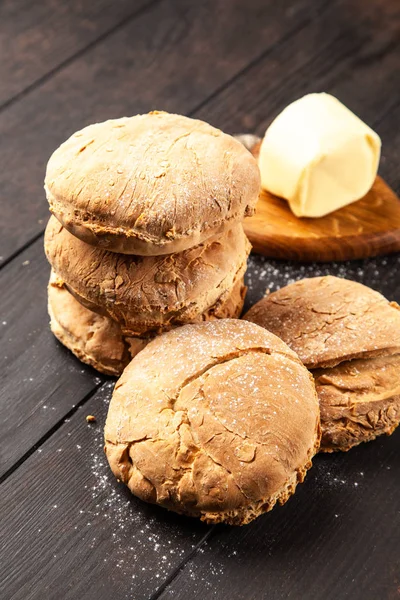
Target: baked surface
{"x":148,"y":295}
{"x":327,"y":320}
{"x":359,"y":400}
{"x":98,"y":341}
{"x":349,"y":336}
{"x":223,"y":433}
{"x":94,"y":339}
{"x":151,"y":184}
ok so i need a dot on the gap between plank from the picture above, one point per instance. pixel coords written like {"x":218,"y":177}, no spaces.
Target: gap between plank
{"x":21,"y":249}
{"x":184,"y":562}
{"x":65,"y":63}
{"x":391,"y":108}
{"x":50,"y":432}
{"x":261,"y":57}
{"x":191,"y":113}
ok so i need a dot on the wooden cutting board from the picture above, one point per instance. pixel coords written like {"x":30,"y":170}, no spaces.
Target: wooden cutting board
{"x":368,"y":227}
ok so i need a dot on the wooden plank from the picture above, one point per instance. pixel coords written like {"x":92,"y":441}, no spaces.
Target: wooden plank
{"x":380,"y":273}
{"x":61,"y":552}
{"x":73,"y":532}
{"x":173,"y":57}
{"x":334,"y":539}
{"x":35,"y":37}
{"x":40,"y":380}
{"x":338,"y":537}
{"x":389,"y":130}
{"x":38,"y":372}
{"x":357,"y":230}
{"x":23,"y":402}
{"x":349,"y":52}
{"x":26,"y":430}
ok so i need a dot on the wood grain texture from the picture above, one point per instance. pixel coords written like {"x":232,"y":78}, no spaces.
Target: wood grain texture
{"x":100,"y":552}
{"x":336,"y":538}
{"x":35,"y":37}
{"x":369,"y":227}
{"x":265,"y":274}
{"x":63,"y":552}
{"x":68,"y":530}
{"x":350,"y":52}
{"x":173,"y":57}
{"x":40,"y":380}
{"x":94,"y":88}
{"x":74,"y":533}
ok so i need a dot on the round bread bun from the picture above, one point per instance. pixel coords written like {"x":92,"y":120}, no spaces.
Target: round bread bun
{"x":328,"y":320}
{"x":349,"y":335}
{"x":151,"y":184}
{"x":217,"y":420}
{"x":94,"y":339}
{"x":98,"y":341}
{"x":148,"y":295}
{"x":359,"y":400}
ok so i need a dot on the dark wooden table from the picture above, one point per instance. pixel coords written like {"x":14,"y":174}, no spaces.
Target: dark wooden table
{"x":68,"y":530}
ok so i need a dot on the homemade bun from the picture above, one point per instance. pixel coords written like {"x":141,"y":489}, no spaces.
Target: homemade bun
{"x":327,"y":320}
{"x":349,"y":335}
{"x":98,"y":341}
{"x":359,"y":400}
{"x":216,"y":420}
{"x":147,"y":295}
{"x":95,"y":340}
{"x":151,"y":184}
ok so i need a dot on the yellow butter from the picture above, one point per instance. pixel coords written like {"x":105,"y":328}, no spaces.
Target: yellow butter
{"x":319,"y":156}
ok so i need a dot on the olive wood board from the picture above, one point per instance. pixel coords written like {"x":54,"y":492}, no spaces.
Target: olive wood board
{"x":368,"y":227}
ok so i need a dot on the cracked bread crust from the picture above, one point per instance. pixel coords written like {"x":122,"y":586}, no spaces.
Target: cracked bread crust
{"x":94,"y":339}
{"x":359,"y":400}
{"x":148,"y":295}
{"x":98,"y":341}
{"x":217,"y":420}
{"x":328,"y":320}
{"x":151,"y":184}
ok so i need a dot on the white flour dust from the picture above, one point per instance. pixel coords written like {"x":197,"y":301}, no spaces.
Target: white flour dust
{"x":263,"y":274}
{"x":148,"y":544}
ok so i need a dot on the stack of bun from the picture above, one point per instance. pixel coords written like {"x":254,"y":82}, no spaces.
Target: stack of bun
{"x":218,"y":418}
{"x":146,"y":233}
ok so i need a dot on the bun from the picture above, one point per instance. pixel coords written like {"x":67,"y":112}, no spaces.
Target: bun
{"x":98,"y":341}
{"x":216,"y":420}
{"x":148,"y":295}
{"x":349,"y":335}
{"x":151,"y":184}
{"x":95,"y":340}
{"x":359,"y":400}
{"x":327,"y":320}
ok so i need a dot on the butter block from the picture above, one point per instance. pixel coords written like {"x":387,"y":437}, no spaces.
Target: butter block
{"x":319,"y":156}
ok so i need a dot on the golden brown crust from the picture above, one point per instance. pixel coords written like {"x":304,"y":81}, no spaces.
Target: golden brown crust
{"x":151,"y":184}
{"x":98,"y":341}
{"x":359,"y":400}
{"x":233,"y":421}
{"x":94,"y":339}
{"x":148,"y":295}
{"x":327,"y":320}
{"x":350,"y":335}
{"x":229,"y":305}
